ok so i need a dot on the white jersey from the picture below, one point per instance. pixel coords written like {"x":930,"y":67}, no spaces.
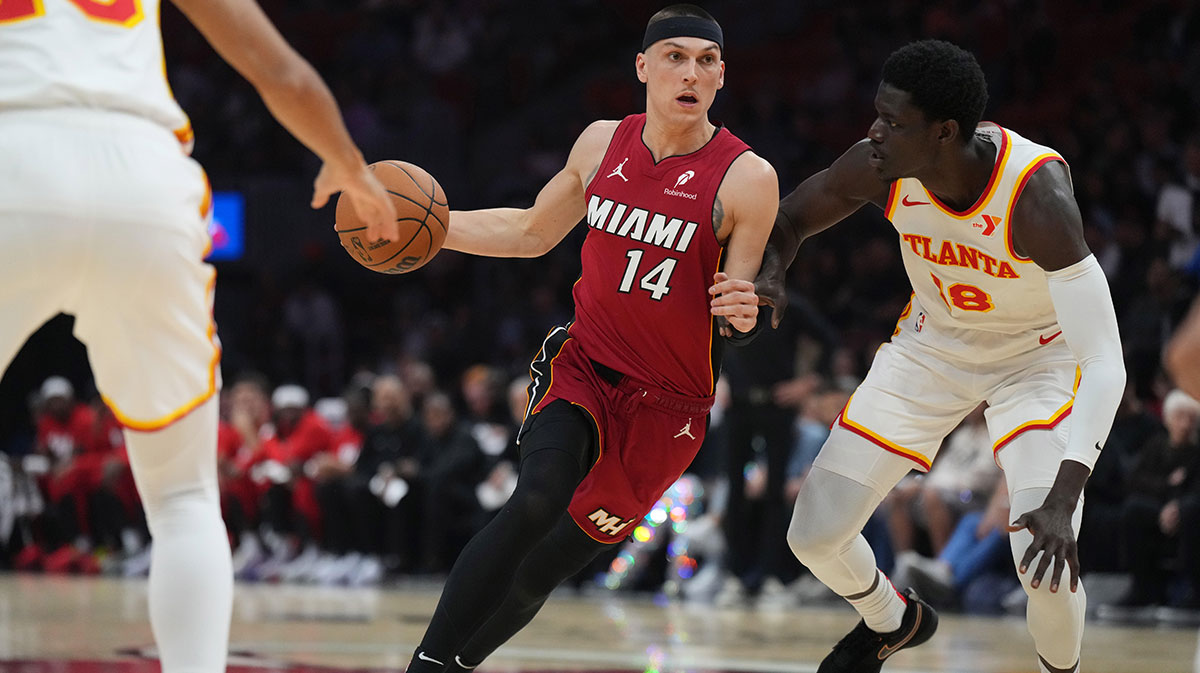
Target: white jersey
{"x":104,"y":54}
{"x":965,"y":273}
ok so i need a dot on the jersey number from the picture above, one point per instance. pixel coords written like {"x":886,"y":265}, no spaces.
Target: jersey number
{"x":656,"y":281}
{"x":963,"y":296}
{"x":126,"y":13}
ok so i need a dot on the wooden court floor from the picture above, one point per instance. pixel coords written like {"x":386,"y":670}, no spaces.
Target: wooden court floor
{"x":98,"y":625}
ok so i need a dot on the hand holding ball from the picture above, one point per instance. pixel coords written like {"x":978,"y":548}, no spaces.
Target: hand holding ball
{"x":422,"y":213}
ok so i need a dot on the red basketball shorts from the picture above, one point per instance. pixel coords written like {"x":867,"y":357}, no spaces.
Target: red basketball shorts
{"x":645,"y":437}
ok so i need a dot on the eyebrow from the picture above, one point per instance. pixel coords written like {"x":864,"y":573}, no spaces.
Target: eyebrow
{"x":712,"y":46}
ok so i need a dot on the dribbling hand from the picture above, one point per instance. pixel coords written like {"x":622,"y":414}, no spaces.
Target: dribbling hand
{"x":735,"y":301}
{"x":370,"y":200}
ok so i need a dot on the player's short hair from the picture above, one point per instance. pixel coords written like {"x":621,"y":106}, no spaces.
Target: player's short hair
{"x":680,"y":9}
{"x":944,"y":80}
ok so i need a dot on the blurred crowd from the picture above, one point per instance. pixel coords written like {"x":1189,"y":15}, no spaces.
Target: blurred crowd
{"x":368,"y":420}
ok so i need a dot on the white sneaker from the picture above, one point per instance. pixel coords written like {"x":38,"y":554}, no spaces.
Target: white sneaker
{"x":298,"y":568}
{"x":775,"y":595}
{"x":369,"y":572}
{"x":732,"y":594}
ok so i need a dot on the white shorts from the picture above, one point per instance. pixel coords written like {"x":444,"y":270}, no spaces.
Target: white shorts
{"x":104,"y":217}
{"x":914,"y":396}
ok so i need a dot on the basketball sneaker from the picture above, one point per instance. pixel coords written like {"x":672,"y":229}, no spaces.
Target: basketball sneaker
{"x":864,"y":651}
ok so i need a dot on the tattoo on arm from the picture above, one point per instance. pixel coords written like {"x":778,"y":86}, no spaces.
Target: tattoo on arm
{"x":718,"y":216}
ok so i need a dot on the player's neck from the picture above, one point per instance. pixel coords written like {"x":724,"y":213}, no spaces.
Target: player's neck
{"x":960,"y":177}
{"x":669,"y":140}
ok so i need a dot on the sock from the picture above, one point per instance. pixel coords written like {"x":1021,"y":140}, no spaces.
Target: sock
{"x":1043,"y":669}
{"x":458,"y":665}
{"x":883,"y":607}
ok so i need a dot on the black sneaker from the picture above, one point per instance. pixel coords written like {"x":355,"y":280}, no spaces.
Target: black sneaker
{"x":864,"y":651}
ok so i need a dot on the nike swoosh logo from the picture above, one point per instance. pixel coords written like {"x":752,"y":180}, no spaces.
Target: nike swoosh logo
{"x":1098,"y":447}
{"x":1047,"y":339}
{"x":888,"y":650}
{"x":422,"y":657}
{"x":906,"y":202}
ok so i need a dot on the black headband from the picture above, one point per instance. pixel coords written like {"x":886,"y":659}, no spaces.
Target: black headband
{"x":684,"y":26}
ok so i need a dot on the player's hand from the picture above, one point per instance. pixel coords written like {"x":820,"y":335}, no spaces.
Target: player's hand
{"x":1054,"y":538}
{"x":735,"y":301}
{"x":770,"y":285}
{"x":370,"y":200}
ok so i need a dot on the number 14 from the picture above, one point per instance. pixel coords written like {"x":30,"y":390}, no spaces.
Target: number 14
{"x":655,"y":281}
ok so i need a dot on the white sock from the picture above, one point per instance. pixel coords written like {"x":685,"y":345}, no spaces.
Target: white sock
{"x":883,"y":608}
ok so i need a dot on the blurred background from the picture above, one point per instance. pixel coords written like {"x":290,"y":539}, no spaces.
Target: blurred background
{"x":385,"y":400}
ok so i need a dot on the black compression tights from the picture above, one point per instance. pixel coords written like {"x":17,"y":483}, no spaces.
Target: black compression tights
{"x":505,"y":573}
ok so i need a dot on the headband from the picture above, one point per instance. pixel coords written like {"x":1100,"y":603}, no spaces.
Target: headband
{"x":684,"y":26}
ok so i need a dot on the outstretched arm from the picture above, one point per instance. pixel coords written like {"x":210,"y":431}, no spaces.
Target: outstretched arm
{"x":296,"y":96}
{"x":531,"y":232}
{"x":818,"y":203}
{"x":1048,"y":229}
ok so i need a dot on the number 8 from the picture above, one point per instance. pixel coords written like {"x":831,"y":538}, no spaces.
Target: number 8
{"x":127,"y":13}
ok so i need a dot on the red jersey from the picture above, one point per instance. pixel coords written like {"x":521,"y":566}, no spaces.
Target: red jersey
{"x":641,"y":302}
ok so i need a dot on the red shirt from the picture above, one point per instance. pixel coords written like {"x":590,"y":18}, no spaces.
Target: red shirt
{"x":66,"y":439}
{"x":641,"y":302}
{"x":310,"y":436}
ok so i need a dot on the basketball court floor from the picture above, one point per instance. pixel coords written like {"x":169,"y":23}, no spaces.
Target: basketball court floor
{"x":98,"y":625}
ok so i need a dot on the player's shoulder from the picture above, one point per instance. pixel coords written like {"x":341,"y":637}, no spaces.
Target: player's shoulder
{"x":598,"y":133}
{"x":752,"y":168}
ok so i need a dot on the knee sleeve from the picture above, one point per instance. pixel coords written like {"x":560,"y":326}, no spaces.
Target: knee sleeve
{"x":830,"y":511}
{"x":1055,"y":620}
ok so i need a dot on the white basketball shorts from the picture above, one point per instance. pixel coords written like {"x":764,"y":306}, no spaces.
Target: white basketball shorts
{"x":104,"y":217}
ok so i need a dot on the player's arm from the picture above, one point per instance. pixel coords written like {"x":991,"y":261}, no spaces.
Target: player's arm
{"x":296,"y":96}
{"x":816,"y":204}
{"x":1183,"y":353}
{"x":1047,"y":228}
{"x":743,"y":214}
{"x":534,"y":231}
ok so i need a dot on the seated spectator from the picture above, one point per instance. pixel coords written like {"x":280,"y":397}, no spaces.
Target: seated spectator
{"x":961,"y":476}
{"x":978,"y":544}
{"x":68,"y":474}
{"x":1161,"y":517}
{"x":451,"y":468}
{"x":386,"y":514}
{"x":245,"y":423}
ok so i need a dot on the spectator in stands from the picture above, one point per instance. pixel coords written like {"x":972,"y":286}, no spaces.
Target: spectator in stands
{"x":960,"y":480}
{"x":451,"y":469}
{"x":1163,"y":492}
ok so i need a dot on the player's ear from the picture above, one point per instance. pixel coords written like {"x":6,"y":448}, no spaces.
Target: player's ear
{"x":639,"y":64}
{"x":721,"y":79}
{"x":948,"y":131}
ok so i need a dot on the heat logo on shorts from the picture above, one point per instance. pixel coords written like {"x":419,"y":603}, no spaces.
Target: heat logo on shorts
{"x":608,"y":524}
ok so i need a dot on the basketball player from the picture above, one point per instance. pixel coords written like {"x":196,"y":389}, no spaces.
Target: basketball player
{"x":104,"y":216}
{"x":619,"y":398}
{"x":1009,"y":307}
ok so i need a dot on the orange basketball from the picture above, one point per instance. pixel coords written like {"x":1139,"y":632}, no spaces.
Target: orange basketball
{"x":421,"y":211}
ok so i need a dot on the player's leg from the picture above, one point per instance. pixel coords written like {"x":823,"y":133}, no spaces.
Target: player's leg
{"x":831,"y":510}
{"x":191,"y":574}
{"x":557,"y":450}
{"x":144,"y":309}
{"x":1055,"y":619}
{"x":559,"y":556}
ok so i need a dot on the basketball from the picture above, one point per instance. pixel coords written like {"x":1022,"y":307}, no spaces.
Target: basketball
{"x":421,"y":211}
